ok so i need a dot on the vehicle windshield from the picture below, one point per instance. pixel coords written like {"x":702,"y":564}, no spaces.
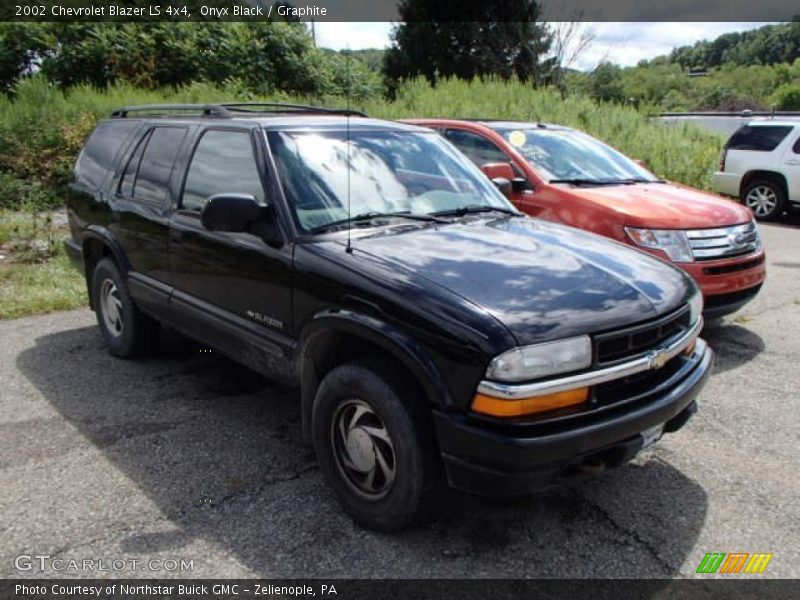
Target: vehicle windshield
{"x":561,"y":154}
{"x":398,"y":173}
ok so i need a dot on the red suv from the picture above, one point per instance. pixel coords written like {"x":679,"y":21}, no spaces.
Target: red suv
{"x":564,"y":175}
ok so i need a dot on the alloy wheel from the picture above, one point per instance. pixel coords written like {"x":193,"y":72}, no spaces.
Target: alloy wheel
{"x":762,"y":200}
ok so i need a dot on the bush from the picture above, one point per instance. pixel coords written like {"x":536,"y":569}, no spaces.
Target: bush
{"x":787,"y":97}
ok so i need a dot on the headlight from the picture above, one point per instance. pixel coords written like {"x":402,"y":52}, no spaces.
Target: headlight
{"x":672,"y":241}
{"x":541,"y":360}
{"x":757,"y":232}
{"x":695,"y":307}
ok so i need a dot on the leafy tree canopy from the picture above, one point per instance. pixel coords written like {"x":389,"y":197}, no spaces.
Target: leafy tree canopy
{"x":501,"y":39}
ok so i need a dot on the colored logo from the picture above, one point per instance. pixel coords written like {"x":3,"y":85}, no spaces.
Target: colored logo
{"x":734,"y":562}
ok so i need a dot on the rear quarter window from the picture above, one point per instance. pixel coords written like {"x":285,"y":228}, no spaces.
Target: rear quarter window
{"x":763,"y":138}
{"x":98,"y":155}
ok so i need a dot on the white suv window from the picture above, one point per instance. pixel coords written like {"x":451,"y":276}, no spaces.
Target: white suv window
{"x":761,"y":138}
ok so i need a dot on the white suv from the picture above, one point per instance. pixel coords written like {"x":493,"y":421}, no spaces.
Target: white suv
{"x":761,"y":165}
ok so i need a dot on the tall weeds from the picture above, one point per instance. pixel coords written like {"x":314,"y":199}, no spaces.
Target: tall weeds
{"x":43,"y":128}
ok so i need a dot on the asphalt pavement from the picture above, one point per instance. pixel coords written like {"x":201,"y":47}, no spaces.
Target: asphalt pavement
{"x":186,"y":456}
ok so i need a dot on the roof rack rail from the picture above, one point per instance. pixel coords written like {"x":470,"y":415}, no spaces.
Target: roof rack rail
{"x":232,"y":109}
{"x":207,"y":110}
{"x":245,"y":107}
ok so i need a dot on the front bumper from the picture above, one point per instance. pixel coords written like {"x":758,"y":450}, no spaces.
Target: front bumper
{"x":724,"y":304}
{"x":494,"y":459}
{"x":728,"y":284}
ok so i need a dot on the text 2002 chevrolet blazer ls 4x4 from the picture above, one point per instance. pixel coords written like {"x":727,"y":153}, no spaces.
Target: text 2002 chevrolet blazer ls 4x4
{"x":436,"y":333}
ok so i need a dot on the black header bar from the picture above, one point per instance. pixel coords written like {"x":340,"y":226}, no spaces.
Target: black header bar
{"x":386,"y":10}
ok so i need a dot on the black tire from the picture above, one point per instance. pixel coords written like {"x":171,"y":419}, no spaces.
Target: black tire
{"x":396,"y":409}
{"x":766,"y":198}
{"x":127,"y":330}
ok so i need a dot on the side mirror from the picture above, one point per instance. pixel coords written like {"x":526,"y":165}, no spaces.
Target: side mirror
{"x":231,"y":212}
{"x":504,"y":185}
{"x":505,"y":172}
{"x":239,"y":213}
{"x":520,"y":184}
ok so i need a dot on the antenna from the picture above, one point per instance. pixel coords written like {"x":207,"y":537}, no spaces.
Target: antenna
{"x":349,"y":248}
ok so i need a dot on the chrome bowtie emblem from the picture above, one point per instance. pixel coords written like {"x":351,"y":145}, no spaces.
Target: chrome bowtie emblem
{"x":658,"y":358}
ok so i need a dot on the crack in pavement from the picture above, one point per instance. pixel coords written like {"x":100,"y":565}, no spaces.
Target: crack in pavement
{"x":633,"y":535}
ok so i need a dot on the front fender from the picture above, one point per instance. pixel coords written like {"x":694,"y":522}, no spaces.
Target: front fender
{"x":395,"y":342}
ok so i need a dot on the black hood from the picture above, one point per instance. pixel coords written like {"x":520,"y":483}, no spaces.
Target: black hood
{"x":542,"y":281}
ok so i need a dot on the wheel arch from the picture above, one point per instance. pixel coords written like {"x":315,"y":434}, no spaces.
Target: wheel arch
{"x":333,"y":338}
{"x":97,"y":244}
{"x":755,"y":174}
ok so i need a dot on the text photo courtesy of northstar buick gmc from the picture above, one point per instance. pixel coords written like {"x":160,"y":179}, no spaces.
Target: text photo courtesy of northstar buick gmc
{"x":437,"y":334}
{"x":563,"y":175}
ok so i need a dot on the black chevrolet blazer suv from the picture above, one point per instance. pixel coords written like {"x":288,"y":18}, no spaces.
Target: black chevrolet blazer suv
{"x":436,"y":334}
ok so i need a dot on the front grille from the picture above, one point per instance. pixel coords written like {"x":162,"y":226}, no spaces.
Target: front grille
{"x":723,"y":242}
{"x":634,"y":386}
{"x":632,"y":342}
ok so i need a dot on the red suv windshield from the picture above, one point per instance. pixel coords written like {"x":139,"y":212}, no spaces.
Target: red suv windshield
{"x":563,"y":154}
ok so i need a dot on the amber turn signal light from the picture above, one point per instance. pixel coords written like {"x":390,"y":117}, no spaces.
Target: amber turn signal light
{"x":497,"y":407}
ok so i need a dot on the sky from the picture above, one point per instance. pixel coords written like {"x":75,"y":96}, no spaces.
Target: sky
{"x":621,"y":43}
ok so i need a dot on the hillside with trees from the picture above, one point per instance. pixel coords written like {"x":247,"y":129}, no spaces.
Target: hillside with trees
{"x":249,"y":58}
{"x":757,"y":70}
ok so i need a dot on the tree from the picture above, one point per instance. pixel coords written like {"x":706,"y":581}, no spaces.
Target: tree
{"x":256,"y":57}
{"x":21,"y":45}
{"x":501,"y":38}
{"x":787,"y":97}
{"x":607,"y":83}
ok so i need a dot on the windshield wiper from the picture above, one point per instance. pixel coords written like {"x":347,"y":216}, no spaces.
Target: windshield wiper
{"x":371,"y":216}
{"x":640,"y":180}
{"x":628,"y":181}
{"x":475,"y":209}
{"x":583,"y":181}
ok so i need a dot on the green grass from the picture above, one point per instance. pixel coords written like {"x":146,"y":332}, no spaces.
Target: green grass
{"x":37,"y":288}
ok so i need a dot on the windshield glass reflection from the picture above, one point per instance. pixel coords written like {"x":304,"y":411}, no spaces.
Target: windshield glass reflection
{"x":389,"y":172}
{"x":567,"y":154}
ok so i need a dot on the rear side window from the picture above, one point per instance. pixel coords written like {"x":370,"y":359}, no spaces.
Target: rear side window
{"x":158,"y":159}
{"x":222,"y":163}
{"x":763,"y":138}
{"x":129,"y":177}
{"x":796,"y":148}
{"x":97,"y":157}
